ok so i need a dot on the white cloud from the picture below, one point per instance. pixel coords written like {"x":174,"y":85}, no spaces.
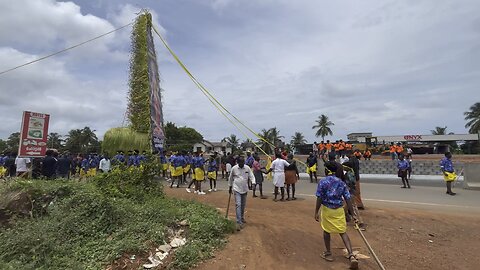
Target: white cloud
{"x":387,"y":67}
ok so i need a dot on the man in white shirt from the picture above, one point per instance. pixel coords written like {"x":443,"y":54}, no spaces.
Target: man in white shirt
{"x":343,"y":159}
{"x":105,"y":164}
{"x":23,"y":165}
{"x":240,"y":181}
{"x":278,"y":168}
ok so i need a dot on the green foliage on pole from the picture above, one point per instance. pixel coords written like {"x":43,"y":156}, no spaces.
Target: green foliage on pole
{"x":125,"y":139}
{"x":139,"y":93}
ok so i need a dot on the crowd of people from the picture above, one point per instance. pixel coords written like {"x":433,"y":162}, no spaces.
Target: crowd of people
{"x":338,"y":193}
{"x":341,"y":148}
{"x":56,"y":165}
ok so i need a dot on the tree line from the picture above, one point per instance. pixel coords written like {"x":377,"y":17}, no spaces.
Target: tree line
{"x":182,"y":138}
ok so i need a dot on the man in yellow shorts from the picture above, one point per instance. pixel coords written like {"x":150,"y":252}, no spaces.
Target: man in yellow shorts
{"x":331,"y":191}
{"x":178,"y":163}
{"x":312,"y":167}
{"x":199,"y":174}
{"x":449,"y":175}
{"x":212,"y":173}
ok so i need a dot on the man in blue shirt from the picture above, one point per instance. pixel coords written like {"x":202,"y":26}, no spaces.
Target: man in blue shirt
{"x":142,"y":158}
{"x":249,"y":161}
{"x":331,"y":191}
{"x":188,"y":166}
{"x":193,"y":166}
{"x":117,"y":159}
{"x":212,"y":173}
{"x":449,"y":175}
{"x":178,"y":163}
{"x":402,"y":166}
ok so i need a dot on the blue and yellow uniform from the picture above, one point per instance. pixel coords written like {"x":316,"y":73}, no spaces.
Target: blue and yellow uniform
{"x":198,"y":163}
{"x":212,"y":169}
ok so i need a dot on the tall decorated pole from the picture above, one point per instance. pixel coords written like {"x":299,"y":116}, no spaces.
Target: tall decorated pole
{"x":156,"y":115}
{"x":145,"y":130}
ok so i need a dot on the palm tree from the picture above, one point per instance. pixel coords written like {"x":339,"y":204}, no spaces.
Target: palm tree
{"x":439,"y":131}
{"x":54,"y":140}
{"x":232,"y":141}
{"x":272,"y":136}
{"x":13,"y":141}
{"x":265,"y":146}
{"x":323,"y":126}
{"x":248,"y":143}
{"x":275,"y":137}
{"x":473,"y":118}
{"x":82,"y":140}
{"x":298,"y":139}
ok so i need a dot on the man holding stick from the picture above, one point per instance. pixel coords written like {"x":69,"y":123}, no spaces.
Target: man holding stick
{"x":240,"y":181}
{"x":331,"y":191}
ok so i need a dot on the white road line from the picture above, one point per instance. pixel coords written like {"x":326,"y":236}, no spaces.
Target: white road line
{"x":407,"y":202}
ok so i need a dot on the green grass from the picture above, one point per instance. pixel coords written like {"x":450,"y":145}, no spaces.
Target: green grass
{"x":89,"y":225}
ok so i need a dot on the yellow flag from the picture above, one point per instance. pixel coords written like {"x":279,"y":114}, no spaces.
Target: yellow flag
{"x":269,"y":165}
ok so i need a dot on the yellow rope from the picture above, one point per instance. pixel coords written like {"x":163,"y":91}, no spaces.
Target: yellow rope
{"x":210,"y":97}
{"x":207,"y":93}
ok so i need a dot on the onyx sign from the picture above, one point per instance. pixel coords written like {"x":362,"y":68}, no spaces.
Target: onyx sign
{"x":412,"y":137}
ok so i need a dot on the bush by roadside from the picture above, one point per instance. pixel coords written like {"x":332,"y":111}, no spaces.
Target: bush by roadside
{"x":72,"y":225}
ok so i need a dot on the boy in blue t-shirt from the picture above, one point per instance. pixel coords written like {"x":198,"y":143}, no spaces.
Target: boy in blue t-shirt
{"x":212,"y":173}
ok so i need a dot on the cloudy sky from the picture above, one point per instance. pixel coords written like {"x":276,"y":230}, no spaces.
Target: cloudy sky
{"x":390,"y":67}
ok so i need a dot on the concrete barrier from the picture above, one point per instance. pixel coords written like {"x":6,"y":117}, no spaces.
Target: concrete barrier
{"x":384,"y":166}
{"x":471,"y":176}
{"x":421,"y":167}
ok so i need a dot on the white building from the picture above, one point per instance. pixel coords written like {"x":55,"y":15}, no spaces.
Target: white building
{"x":210,"y":147}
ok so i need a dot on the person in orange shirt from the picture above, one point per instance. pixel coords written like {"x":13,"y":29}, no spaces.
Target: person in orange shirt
{"x":336,"y":147}
{"x":399,"y":149}
{"x":341,"y":147}
{"x":321,"y":148}
{"x":393,"y":151}
{"x":357,"y":154}
{"x":348,"y":148}
{"x":367,"y":155}
{"x":328,"y":146}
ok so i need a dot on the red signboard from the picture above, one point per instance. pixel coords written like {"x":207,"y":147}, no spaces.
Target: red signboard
{"x":33,"y":136}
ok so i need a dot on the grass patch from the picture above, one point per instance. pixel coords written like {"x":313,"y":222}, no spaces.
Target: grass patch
{"x":89,"y":225}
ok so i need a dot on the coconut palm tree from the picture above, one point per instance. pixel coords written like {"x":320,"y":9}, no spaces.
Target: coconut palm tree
{"x":298,"y":139}
{"x":54,"y":140}
{"x":323,"y":127}
{"x":265,"y":146}
{"x":272,"y":136}
{"x":232,"y":141}
{"x":473,"y":118}
{"x":248,"y":143}
{"x":439,"y":131}
{"x":82,"y":141}
{"x":275,"y":137}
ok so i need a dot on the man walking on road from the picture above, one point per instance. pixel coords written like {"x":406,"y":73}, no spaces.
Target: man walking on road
{"x":449,"y":175}
{"x":239,"y":182}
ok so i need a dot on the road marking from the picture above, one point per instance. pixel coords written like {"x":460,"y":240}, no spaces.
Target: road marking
{"x":407,"y":202}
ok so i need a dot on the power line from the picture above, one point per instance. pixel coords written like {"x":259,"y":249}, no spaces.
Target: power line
{"x":64,"y":50}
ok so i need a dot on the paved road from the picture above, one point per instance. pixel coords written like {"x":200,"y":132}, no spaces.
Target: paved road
{"x":387,"y":193}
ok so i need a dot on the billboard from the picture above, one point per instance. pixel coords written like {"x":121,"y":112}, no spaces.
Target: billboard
{"x":156,"y":115}
{"x":33,"y":134}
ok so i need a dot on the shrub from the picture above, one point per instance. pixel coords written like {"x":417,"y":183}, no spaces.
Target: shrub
{"x":131,"y":182}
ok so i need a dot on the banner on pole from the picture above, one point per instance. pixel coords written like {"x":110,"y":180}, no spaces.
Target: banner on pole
{"x":156,"y":115}
{"x":33,"y":134}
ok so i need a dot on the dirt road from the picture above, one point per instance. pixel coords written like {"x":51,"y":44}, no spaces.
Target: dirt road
{"x":284,"y":235}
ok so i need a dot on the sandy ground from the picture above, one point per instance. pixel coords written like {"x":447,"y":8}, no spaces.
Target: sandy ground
{"x":284,"y":235}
